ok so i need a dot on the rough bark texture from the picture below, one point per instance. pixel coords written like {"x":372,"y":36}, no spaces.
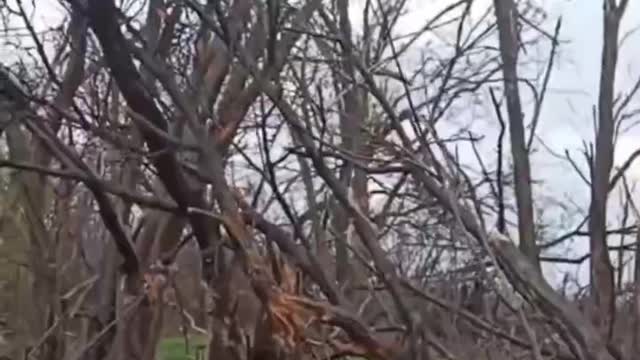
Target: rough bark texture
{"x":602,"y":277}
{"x":506,"y":15}
{"x":178,"y":98}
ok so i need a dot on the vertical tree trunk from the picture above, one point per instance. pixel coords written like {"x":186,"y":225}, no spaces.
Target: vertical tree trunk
{"x":351,"y":133}
{"x":602,"y":277}
{"x":507,"y":30}
{"x":635,"y":336}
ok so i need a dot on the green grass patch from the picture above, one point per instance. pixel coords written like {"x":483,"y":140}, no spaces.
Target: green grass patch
{"x":175,"y":349}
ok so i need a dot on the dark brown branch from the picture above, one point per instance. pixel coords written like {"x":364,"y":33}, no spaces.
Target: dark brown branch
{"x":502,"y":222}
{"x":125,"y":194}
{"x":103,"y":20}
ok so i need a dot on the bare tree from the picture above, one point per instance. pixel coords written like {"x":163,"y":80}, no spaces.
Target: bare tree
{"x":507,"y":19}
{"x":291,"y":180}
{"x":603,"y":286}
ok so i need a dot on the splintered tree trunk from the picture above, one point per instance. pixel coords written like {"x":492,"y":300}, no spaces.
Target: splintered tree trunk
{"x":227,"y":340}
{"x":140,"y":332}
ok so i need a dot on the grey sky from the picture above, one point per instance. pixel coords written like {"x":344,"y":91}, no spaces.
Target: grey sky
{"x":566,"y":120}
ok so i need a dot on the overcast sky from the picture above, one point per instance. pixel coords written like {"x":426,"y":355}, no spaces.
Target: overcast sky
{"x":566,"y":120}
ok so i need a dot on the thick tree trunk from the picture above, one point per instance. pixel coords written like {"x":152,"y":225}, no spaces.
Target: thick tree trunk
{"x":602,"y":276}
{"x":506,"y":14}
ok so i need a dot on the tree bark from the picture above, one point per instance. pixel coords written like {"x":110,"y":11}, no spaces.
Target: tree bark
{"x":602,"y":276}
{"x":507,"y":29}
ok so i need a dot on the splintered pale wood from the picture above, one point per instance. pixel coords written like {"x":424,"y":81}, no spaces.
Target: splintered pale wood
{"x":289,"y":313}
{"x":292,"y":314}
